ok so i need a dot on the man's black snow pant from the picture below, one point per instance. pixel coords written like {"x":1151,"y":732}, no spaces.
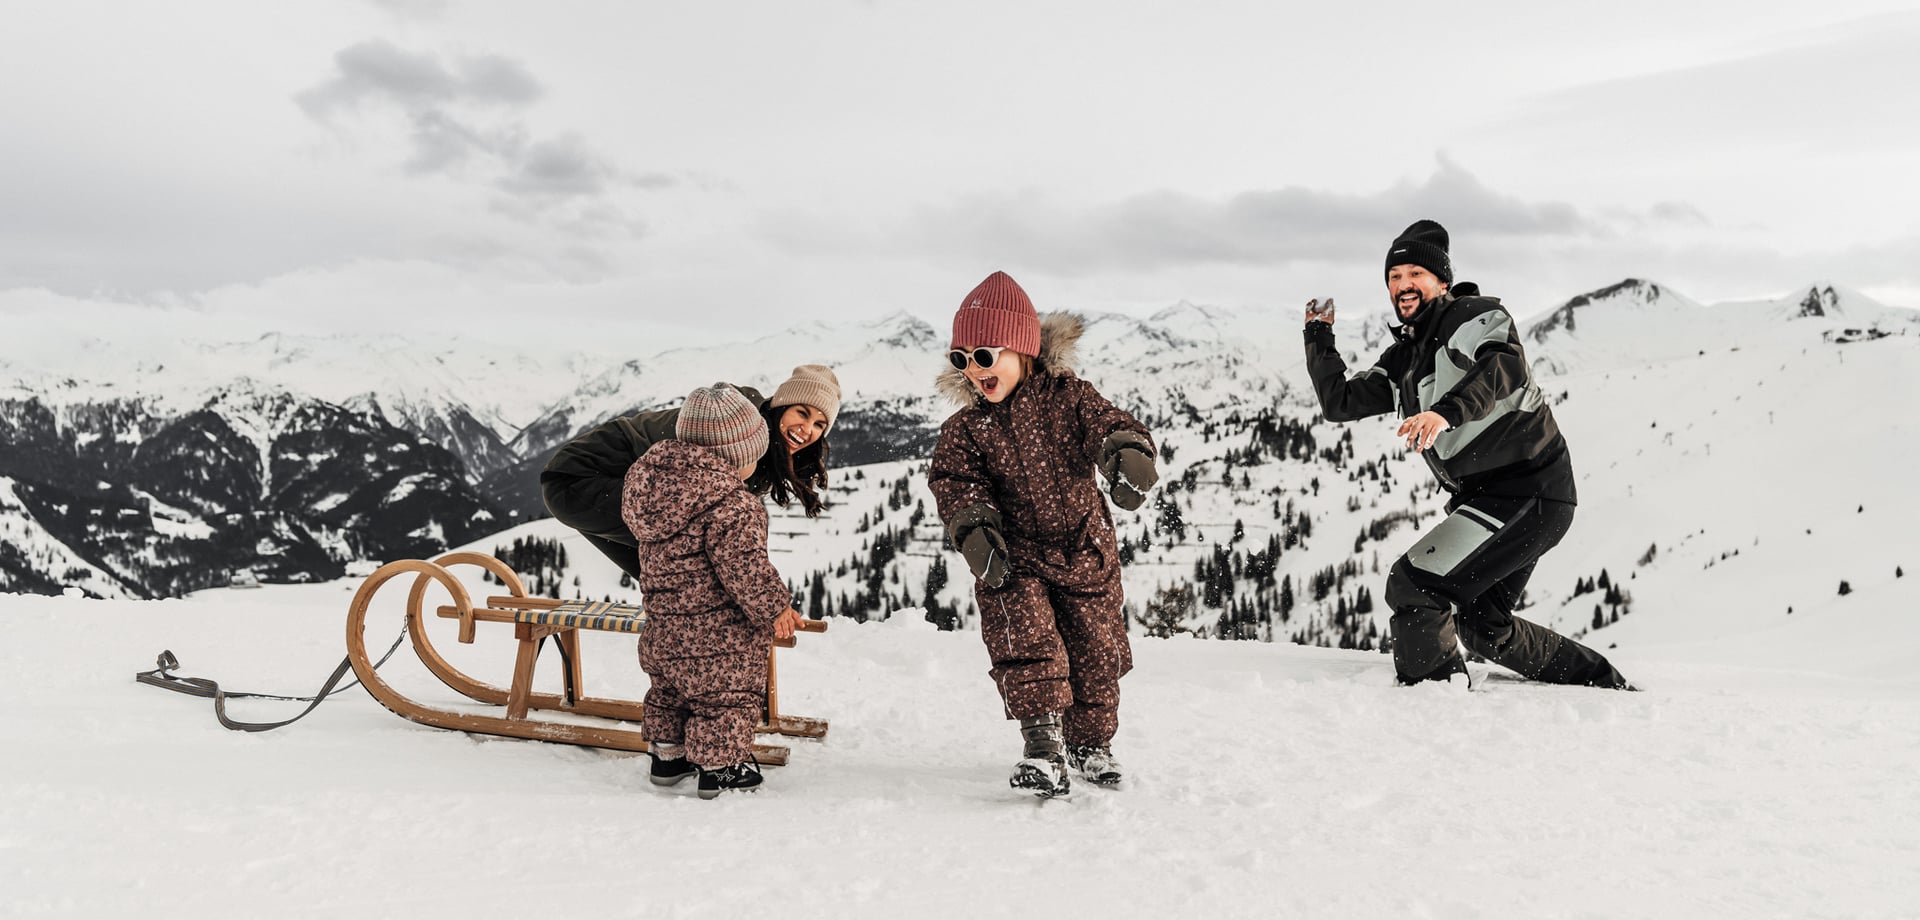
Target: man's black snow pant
{"x":1469,"y":571}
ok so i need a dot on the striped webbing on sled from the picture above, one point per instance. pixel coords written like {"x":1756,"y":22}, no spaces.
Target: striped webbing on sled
{"x":588,"y":615}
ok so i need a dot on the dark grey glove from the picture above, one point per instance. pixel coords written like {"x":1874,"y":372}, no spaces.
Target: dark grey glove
{"x":986,"y":554}
{"x":976,"y":531}
{"x":1126,"y":459}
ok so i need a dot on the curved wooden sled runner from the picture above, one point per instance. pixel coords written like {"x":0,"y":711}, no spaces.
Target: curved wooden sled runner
{"x":533,"y":619}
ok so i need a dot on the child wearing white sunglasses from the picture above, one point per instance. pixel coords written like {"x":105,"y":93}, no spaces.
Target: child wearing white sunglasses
{"x":1013,"y":476}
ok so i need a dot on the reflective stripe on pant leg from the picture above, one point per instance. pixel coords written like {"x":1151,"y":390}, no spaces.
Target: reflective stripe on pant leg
{"x":1029,"y":659}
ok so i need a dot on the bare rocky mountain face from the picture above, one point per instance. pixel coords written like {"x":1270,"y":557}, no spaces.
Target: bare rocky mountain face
{"x":155,"y":503}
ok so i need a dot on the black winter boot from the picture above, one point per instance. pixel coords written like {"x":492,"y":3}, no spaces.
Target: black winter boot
{"x":669,"y":771}
{"x":739,"y":777}
{"x":1574,"y":663}
{"x":1095,"y":764}
{"x":1042,"y":769}
{"x":1452,"y":669}
{"x":1539,"y":653}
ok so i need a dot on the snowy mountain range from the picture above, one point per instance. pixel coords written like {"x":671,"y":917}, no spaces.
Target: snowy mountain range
{"x":1700,"y":432}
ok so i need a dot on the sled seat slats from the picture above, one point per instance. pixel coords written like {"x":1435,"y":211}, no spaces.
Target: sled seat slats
{"x":601,"y":615}
{"x":546,"y":612}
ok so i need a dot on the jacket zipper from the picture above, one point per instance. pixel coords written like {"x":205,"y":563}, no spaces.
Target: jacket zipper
{"x":1410,"y":406}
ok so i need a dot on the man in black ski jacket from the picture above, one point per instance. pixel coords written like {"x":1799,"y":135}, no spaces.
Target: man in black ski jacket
{"x":1457,"y":377}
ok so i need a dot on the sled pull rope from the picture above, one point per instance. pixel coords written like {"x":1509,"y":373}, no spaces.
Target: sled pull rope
{"x":202,"y":687}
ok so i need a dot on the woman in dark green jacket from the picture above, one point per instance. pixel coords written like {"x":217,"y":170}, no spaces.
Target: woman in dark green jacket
{"x":582,"y":482}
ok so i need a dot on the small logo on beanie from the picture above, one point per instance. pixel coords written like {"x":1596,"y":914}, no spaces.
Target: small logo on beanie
{"x":977,"y":302}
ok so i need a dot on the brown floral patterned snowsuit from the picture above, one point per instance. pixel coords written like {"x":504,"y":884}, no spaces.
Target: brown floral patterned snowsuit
{"x":711,"y":597}
{"x":1054,"y":629}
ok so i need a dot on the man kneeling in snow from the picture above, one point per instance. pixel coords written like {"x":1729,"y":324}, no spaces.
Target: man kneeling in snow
{"x":1456,"y":375}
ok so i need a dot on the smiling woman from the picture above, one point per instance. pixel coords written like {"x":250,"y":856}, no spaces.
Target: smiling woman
{"x":582,"y":482}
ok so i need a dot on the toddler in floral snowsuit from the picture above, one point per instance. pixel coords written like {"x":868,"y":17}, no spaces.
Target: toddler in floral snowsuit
{"x":714,"y":602}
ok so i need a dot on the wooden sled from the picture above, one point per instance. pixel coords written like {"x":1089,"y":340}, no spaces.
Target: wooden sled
{"x":533,"y":619}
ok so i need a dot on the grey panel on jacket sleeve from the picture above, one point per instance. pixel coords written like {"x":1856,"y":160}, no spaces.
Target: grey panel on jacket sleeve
{"x":1452,"y":441}
{"x":1491,"y":326}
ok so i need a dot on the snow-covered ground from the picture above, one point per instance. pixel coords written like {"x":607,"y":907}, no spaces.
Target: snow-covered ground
{"x":1267,"y":780}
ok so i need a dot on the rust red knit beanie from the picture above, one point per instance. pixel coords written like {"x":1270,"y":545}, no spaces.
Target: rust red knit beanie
{"x":998,"y":313}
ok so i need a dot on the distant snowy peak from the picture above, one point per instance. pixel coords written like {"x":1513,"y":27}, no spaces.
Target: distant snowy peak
{"x":897,"y":354}
{"x":1189,"y":312}
{"x":1826,"y":300}
{"x":905,"y":331}
{"x":1634,"y":295}
{"x":1836,"y":311}
{"x":1819,"y":301}
{"x":1114,"y":335}
{"x":262,"y":405}
{"x":1636,"y":323}
{"x":1376,"y":329}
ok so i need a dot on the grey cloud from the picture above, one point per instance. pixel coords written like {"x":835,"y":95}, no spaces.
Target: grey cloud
{"x":381,"y":71}
{"x":442,"y":143}
{"x":1661,"y":215}
{"x":464,"y":120}
{"x":493,"y":78}
{"x":557,"y":168}
{"x":1166,"y":228}
{"x":1678,"y":212}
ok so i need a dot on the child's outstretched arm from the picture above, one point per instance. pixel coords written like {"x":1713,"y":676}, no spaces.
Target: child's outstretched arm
{"x":1118,"y":445}
{"x":963,"y":495}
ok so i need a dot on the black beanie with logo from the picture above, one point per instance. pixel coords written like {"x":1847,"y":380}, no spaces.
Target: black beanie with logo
{"x":1423,"y":244}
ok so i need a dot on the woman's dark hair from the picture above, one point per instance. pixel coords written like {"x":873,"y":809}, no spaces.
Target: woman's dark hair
{"x":786,"y":476}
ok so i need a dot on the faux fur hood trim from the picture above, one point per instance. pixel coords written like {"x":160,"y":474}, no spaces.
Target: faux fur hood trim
{"x":1059,"y":349}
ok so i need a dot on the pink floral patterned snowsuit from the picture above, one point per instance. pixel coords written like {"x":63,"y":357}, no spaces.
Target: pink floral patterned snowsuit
{"x":711,"y":597}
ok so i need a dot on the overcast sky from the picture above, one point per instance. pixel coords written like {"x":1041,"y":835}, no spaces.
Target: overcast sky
{"x":587,"y":170}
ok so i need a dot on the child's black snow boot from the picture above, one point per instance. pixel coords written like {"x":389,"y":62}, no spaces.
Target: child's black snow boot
{"x":741,"y":777}
{"x":1096,"y":764}
{"x":1043,"y":768}
{"x":671,"y":769}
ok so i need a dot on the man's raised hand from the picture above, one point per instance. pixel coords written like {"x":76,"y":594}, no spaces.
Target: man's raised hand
{"x":1318,"y":312}
{"x":1421,"y":429}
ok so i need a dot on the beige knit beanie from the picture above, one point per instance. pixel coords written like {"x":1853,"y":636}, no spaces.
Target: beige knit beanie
{"x":720,"y":418}
{"x":812,"y":384}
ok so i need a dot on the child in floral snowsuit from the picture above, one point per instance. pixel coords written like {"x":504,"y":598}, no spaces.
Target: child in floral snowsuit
{"x":1013,"y":477}
{"x":714,"y":602}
